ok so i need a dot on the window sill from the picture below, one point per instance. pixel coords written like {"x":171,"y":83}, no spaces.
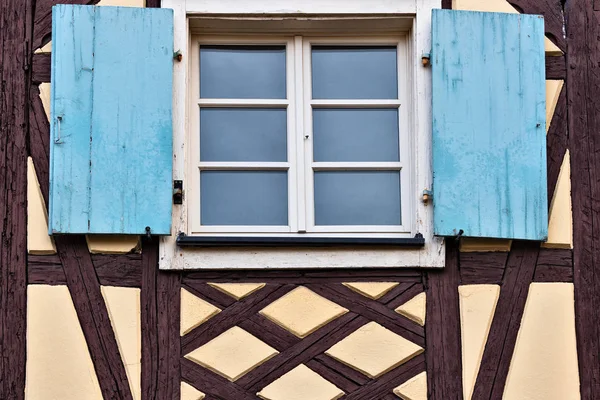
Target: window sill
{"x":295,"y":241}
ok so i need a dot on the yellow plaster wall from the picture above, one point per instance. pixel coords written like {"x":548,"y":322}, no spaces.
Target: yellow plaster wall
{"x":560,"y":221}
{"x":59,"y":366}
{"x":477,"y":307}
{"x":123,"y":306}
{"x":468,"y":245}
{"x":38,"y":240}
{"x":544,"y":364}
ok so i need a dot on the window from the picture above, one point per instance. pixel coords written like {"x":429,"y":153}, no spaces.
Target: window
{"x":301,"y":123}
{"x":298,"y":134}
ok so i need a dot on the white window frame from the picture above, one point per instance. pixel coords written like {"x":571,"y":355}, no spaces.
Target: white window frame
{"x":397,"y":14}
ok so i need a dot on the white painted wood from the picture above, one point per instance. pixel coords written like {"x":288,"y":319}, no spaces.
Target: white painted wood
{"x":300,"y":171}
{"x":275,"y":103}
{"x":205,"y":165}
{"x":301,"y":7}
{"x":415,"y":107}
{"x":326,"y":103}
{"x":382,"y":166}
{"x":169,"y":257}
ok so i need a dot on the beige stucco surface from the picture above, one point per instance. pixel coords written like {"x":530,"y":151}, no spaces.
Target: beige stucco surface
{"x":301,"y":383}
{"x":560,"y":223}
{"x":123,"y":306}
{"x":413,"y":389}
{"x":59,"y":366}
{"x":414,"y":308}
{"x":112,"y":244}
{"x":237,"y":290}
{"x":38,"y":240}
{"x":469,"y":245}
{"x":188,"y":392}
{"x":194,"y":311}
{"x":544,"y":364}
{"x":372,"y":290}
{"x":477,"y":306}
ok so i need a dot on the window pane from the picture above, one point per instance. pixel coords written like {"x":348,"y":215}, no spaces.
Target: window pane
{"x":244,"y":198}
{"x":243,"y":134}
{"x":242,"y":72}
{"x":357,"y":198}
{"x":354,"y":72}
{"x":355,"y":134}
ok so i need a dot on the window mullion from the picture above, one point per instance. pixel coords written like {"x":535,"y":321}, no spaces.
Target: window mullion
{"x":299,"y":134}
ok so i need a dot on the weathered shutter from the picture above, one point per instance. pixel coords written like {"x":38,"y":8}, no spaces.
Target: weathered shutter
{"x":111,"y":125}
{"x":489,"y":136}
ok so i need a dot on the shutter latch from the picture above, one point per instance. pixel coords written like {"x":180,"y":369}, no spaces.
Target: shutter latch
{"x":177,"y":192}
{"x":427,"y":196}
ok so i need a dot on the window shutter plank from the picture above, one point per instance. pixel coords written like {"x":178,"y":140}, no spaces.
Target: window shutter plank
{"x":112,"y":86}
{"x":489,"y":136}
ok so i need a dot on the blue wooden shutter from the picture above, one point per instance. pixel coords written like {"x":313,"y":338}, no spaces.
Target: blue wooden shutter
{"x":489,"y":136}
{"x":111,"y":124}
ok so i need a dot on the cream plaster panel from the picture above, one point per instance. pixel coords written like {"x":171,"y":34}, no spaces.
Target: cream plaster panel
{"x":498,"y":6}
{"x":469,"y":245}
{"x":112,"y":244}
{"x":38,"y":240}
{"x":414,"y":309}
{"x":233,"y":353}
{"x":477,"y":307}
{"x":302,"y":311}
{"x":47,"y":48}
{"x":560,"y":221}
{"x":237,"y":290}
{"x":374,"y":350}
{"x":544,"y":364}
{"x":194,"y":311}
{"x":553,"y":89}
{"x":413,"y":389}
{"x":59,"y":366}
{"x":301,"y":383}
{"x":372,"y":290}
{"x":123,"y":306}
{"x":45,"y":97}
{"x":188,"y":392}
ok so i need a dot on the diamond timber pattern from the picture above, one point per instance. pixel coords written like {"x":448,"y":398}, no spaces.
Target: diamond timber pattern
{"x":299,"y":323}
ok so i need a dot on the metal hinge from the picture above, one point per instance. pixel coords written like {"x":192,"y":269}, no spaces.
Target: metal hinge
{"x":177,"y":192}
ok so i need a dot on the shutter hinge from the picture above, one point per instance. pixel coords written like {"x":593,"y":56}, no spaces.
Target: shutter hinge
{"x":426,"y":59}
{"x":177,"y":192}
{"x":427,"y":196}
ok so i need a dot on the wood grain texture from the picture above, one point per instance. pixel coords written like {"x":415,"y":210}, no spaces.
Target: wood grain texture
{"x":40,"y":68}
{"x":124,"y":270}
{"x":443,"y":352}
{"x":519,"y":273}
{"x":554,"y":265}
{"x":482,"y":267}
{"x":500,"y":118}
{"x":160,"y":305}
{"x":583,"y":86}
{"x":15,"y":29}
{"x":556,"y":68}
{"x":39,"y":140}
{"x":92,"y":313}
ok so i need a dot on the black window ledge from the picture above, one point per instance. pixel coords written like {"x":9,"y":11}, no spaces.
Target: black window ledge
{"x":295,"y":241}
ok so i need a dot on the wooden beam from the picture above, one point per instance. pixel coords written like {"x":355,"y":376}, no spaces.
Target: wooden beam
{"x":123,"y":270}
{"x":552,"y":10}
{"x":556,"y":68}
{"x":583,"y":79}
{"x":160,"y":305}
{"x":15,"y":25}
{"x":39,"y":140}
{"x":520,"y":269}
{"x":92,"y":313}
{"x":40,"y":69}
{"x":442,"y":330}
{"x":554,"y":265}
{"x":556,"y":142}
{"x":482,"y":267}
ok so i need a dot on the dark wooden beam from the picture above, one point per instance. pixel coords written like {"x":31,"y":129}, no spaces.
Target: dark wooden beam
{"x":15,"y":28}
{"x":552,"y":10}
{"x":124,"y":270}
{"x":583,"y":79}
{"x":39,"y":140}
{"x":442,"y":330}
{"x":91,"y":310}
{"x":482,"y":267}
{"x":520,"y":269}
{"x":556,"y":68}
{"x":554,"y":265}
{"x":40,"y":69}
{"x":160,"y":304}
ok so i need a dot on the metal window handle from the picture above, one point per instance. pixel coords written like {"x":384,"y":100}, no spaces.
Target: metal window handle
{"x":58,"y":138}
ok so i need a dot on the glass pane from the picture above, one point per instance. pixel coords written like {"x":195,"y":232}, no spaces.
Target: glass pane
{"x":243,"y":134}
{"x":242,"y":72}
{"x":354,"y":72}
{"x":355,"y":134}
{"x":244,"y":198}
{"x":357,"y":198}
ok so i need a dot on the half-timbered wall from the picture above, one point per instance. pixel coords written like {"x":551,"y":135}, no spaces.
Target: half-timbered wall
{"x":93,"y":317}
